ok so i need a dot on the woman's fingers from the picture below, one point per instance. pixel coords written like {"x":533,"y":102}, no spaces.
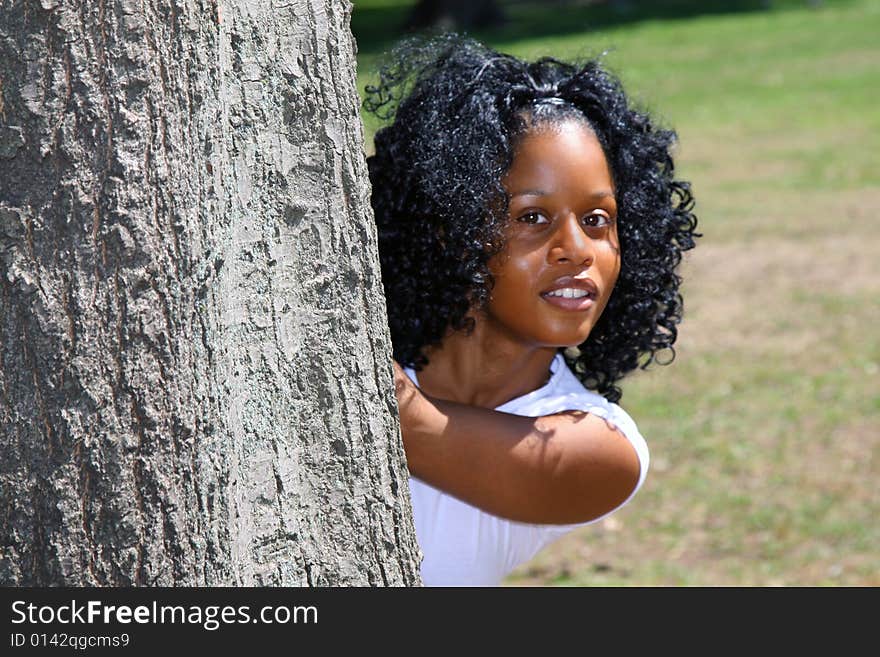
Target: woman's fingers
{"x":405,"y":391}
{"x":401,"y":381}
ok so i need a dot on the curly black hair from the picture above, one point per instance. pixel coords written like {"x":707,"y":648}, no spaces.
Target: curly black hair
{"x":457,"y":109}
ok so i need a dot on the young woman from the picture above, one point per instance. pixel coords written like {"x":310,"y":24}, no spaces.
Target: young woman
{"x":529,"y":231}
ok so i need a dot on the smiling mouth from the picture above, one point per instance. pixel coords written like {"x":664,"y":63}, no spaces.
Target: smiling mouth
{"x":569,"y":293}
{"x":569,"y":298}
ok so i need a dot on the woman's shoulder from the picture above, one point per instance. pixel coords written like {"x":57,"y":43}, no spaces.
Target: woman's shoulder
{"x":564,"y":392}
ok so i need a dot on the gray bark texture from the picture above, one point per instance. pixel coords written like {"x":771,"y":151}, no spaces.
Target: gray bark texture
{"x":195,"y":366}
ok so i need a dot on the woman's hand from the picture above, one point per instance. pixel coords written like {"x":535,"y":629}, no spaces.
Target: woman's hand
{"x":406,"y":391}
{"x":401,"y":380}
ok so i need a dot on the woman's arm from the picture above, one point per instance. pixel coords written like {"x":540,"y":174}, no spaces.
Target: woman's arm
{"x":565,"y":468}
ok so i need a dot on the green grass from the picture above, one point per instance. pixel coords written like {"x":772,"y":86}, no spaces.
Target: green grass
{"x":765,"y":431}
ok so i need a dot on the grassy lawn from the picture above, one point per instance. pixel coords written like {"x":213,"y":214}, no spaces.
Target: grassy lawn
{"x":765,"y":431}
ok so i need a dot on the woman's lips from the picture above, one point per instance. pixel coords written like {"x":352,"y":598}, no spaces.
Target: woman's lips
{"x":572,"y":285}
{"x":581,"y":304}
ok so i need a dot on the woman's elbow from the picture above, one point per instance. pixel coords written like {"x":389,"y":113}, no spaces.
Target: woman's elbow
{"x":601,"y":483}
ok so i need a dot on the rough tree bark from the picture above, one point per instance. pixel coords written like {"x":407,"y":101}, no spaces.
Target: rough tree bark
{"x":195,"y":374}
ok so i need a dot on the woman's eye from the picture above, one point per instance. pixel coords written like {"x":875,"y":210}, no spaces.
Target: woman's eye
{"x":534,"y":218}
{"x":597,"y":220}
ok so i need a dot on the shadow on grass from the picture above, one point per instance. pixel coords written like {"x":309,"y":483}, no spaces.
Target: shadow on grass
{"x":378,"y":24}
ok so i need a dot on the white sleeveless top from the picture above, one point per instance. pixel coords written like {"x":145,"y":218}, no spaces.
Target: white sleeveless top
{"x":465,"y":546}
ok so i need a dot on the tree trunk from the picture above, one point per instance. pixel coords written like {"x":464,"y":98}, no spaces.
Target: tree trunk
{"x":195,"y":368}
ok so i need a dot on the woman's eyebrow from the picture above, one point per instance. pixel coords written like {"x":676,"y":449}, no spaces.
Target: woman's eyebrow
{"x":530,"y":192}
{"x":604,"y":193}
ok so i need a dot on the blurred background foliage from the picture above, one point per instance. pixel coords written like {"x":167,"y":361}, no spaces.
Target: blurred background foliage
{"x":765,"y":430}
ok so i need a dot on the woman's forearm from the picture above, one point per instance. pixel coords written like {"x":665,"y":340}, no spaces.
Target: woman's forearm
{"x":564,"y":468}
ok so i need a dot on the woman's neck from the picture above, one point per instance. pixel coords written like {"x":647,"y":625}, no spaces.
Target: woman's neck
{"x":484,"y":371}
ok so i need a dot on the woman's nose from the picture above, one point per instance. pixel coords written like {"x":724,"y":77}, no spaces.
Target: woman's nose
{"x":571,"y":243}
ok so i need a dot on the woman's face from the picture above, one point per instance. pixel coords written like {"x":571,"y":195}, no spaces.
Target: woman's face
{"x":562,"y":254}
